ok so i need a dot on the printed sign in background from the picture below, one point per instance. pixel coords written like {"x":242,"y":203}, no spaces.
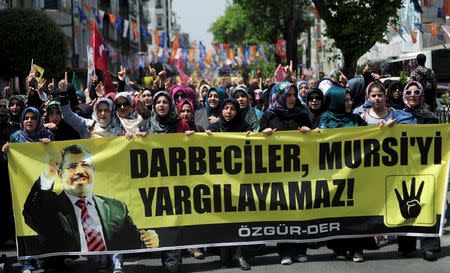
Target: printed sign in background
{"x":232,"y":189}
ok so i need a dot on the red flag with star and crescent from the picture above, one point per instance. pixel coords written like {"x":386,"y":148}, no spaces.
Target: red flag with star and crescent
{"x":98,"y":60}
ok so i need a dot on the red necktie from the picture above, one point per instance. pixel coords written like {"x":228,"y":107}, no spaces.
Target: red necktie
{"x":93,"y":236}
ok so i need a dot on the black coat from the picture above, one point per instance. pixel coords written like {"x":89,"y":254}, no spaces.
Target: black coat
{"x":274,"y":121}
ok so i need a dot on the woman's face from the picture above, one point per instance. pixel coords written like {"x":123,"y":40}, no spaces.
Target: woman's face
{"x":291,"y":98}
{"x":103,"y":113}
{"x":242,"y":99}
{"x":413,"y":93}
{"x":29,"y":122}
{"x":162,"y":106}
{"x":213,"y":99}
{"x":314,"y":101}
{"x":146,"y":97}
{"x":179,"y":95}
{"x":123,"y":107}
{"x":203,"y":92}
{"x":54,"y":116}
{"x":303,"y":90}
{"x":15,"y":107}
{"x":229,"y":111}
{"x":397,"y":93}
{"x":348,"y":103}
{"x":186,"y":112}
{"x":377,"y":98}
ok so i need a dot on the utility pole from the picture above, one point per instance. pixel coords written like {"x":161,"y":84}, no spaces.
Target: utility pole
{"x":74,"y":58}
{"x":167,"y":23}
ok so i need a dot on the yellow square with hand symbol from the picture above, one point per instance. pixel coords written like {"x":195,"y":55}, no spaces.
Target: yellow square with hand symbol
{"x":410,"y":200}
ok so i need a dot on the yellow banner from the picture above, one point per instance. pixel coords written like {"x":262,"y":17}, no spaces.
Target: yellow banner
{"x":289,"y":186}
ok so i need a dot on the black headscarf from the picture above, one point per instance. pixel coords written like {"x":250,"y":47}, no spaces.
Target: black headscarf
{"x":237,"y":124}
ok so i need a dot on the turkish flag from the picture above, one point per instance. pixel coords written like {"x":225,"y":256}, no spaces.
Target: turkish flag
{"x":98,"y":60}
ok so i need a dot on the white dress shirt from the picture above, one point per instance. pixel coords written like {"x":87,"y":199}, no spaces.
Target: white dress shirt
{"x":47,"y":184}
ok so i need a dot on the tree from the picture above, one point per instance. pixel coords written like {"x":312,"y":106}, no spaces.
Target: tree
{"x":27,"y":34}
{"x":234,"y":27}
{"x":263,"y":21}
{"x":356,"y":25}
{"x":272,"y":17}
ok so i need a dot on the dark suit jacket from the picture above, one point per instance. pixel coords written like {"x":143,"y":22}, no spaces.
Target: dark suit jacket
{"x":53,"y":217}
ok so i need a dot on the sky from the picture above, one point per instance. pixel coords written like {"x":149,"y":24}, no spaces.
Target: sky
{"x":196,"y":16}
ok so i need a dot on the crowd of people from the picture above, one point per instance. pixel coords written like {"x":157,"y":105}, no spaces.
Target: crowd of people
{"x":52,"y":112}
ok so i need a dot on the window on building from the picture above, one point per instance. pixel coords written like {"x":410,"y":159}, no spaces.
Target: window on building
{"x":51,"y":4}
{"x":159,"y":4}
{"x":159,"y":21}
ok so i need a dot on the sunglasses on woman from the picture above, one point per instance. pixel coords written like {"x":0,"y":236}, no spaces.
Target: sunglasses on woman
{"x":416,"y":92}
{"x":125,"y":104}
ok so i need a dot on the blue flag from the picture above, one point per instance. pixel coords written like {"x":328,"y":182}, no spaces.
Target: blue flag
{"x":82,"y":15}
{"x":417,"y":6}
{"x":419,"y":27}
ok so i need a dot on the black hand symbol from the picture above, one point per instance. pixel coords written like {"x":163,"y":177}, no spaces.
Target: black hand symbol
{"x":410,"y":203}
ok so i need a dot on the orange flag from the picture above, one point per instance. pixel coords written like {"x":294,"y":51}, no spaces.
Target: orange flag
{"x":446,"y":7}
{"x":156,"y":39}
{"x":135,"y":30}
{"x":112,"y":18}
{"x":191,"y":54}
{"x":87,"y":6}
{"x":253,"y":52}
{"x":434,"y":29}
{"x":413,"y":36}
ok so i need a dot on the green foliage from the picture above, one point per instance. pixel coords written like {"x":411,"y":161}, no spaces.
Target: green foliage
{"x":270,"y":18}
{"x":356,"y":25}
{"x":27,"y":34}
{"x":403,"y":78}
{"x":234,"y":27}
{"x":446,"y":97}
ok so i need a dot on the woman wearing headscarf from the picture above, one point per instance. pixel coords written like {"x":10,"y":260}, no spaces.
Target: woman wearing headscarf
{"x":16,"y":105}
{"x":6,"y":129}
{"x":250,"y":114}
{"x":102,"y":124}
{"x":338,"y":110}
{"x":186,"y":110}
{"x":231,"y":120}
{"x":303,"y":88}
{"x":378,"y":113}
{"x":130,"y":121}
{"x":164,"y":120}
{"x":416,"y":111}
{"x":339,"y":114}
{"x":202,"y":89}
{"x":179,"y":92}
{"x":316,"y":106}
{"x":395,"y":95}
{"x":357,"y":89}
{"x":164,"y":114}
{"x":32,"y":130}
{"x":54,"y":122}
{"x":286,"y":113}
{"x":210,"y":113}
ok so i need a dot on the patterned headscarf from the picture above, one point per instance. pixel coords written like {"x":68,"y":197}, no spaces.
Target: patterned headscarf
{"x":222,"y":97}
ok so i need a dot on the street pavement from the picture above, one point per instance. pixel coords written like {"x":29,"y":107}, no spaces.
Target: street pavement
{"x":384,"y":260}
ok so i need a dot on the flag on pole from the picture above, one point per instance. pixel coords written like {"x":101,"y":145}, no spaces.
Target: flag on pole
{"x":280,"y":74}
{"x":413,"y":34}
{"x":419,"y":27}
{"x":441,"y":38}
{"x":98,"y":60}
{"x":183,"y":76}
{"x":39,"y":72}
{"x":417,"y":6}
{"x":76,"y":82}
{"x":446,"y":30}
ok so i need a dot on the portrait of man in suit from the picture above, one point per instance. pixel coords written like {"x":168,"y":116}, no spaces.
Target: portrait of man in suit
{"x":75,"y":219}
